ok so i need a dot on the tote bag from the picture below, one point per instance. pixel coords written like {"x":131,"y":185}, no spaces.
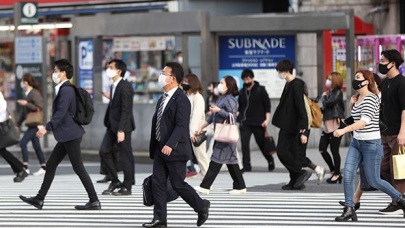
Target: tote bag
{"x":227,"y":132}
{"x":399,"y":164}
{"x":34,"y":118}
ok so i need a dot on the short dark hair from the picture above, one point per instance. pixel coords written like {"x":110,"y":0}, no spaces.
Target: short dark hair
{"x":247,"y":73}
{"x":231,"y":85}
{"x":177,"y":71}
{"x":64,"y":65}
{"x":393,"y":56}
{"x":285,"y":65}
{"x":120,"y":65}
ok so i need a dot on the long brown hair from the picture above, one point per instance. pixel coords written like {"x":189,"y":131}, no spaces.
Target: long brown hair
{"x":194,"y":83}
{"x":337,"y":80}
{"x":231,"y":85}
{"x":31,"y":81}
{"x":368,"y":75}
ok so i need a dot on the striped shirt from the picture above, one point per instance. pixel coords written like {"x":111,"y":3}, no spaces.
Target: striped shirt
{"x":368,"y":111}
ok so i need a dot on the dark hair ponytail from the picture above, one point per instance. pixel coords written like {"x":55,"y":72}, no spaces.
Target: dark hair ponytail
{"x":31,"y":81}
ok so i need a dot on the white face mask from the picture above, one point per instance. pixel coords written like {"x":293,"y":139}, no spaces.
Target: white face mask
{"x":162,"y":80}
{"x":221,"y":89}
{"x":216,"y":93}
{"x":55,"y":78}
{"x":328,"y":83}
{"x":281,"y":75}
{"x":110,"y":73}
{"x":22,"y":85}
{"x":180,"y":59}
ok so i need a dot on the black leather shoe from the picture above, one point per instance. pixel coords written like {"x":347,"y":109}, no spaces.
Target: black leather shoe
{"x":33,"y":201}
{"x":106,"y":179}
{"x":203,"y":214}
{"x":304,"y":176}
{"x":122,"y":192}
{"x":21,"y":176}
{"x":155,"y":223}
{"x":271,"y":166}
{"x":401,"y":204}
{"x":348,"y":213}
{"x":89,"y":206}
{"x":356,"y":205}
{"x":112,"y":187}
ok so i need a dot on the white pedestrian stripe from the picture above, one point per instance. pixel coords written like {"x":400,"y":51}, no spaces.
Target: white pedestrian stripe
{"x":255,"y":209}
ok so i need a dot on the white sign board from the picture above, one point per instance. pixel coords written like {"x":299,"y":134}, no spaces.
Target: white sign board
{"x":28,"y":50}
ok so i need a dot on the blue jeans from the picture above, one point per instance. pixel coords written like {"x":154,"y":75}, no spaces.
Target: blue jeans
{"x":30,"y":136}
{"x":370,"y":152}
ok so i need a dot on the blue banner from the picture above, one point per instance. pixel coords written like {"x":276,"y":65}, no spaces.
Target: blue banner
{"x":85,"y":79}
{"x":255,"y":52}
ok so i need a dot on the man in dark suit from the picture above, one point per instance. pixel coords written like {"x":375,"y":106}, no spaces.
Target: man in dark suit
{"x":68,"y":134}
{"x":170,"y":148}
{"x":120,"y":124}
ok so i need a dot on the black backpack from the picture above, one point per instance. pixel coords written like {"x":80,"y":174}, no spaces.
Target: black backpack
{"x":84,"y":106}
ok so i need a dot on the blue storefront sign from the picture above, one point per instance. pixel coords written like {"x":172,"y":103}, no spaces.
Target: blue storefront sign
{"x":259,"y":53}
{"x":85,"y":77}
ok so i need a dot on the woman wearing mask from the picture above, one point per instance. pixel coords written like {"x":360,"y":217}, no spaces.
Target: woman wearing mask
{"x":365,"y":145}
{"x":223,"y":153}
{"x":32,"y":103}
{"x":333,"y":115}
{"x":193,"y":87}
{"x":212,"y":96}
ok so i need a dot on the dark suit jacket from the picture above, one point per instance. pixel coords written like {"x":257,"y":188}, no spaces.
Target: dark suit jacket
{"x":34,"y":99}
{"x":118,"y":116}
{"x":174,"y":129}
{"x":63,"y":109}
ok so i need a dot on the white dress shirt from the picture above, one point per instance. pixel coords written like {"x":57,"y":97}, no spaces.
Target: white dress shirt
{"x":115,"y":86}
{"x":169,"y":95}
{"x":3,"y":108}
{"x":57,"y":87}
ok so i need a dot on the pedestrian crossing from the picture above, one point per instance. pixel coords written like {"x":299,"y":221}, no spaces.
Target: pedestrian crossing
{"x":255,"y":209}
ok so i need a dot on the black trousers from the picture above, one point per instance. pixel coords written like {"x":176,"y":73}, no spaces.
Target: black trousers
{"x":72,"y":149}
{"x":15,"y":164}
{"x":246,"y":132}
{"x":302,"y":152}
{"x":125,"y":156}
{"x":287,"y":152}
{"x":176,"y":171}
{"x":213,"y":171}
{"x":334,"y":142}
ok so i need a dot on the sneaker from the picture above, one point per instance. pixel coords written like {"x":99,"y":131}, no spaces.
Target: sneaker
{"x":238,"y":191}
{"x":191,"y":174}
{"x":40,"y":172}
{"x":202,"y":190}
{"x":391,"y":210}
{"x":321,"y":174}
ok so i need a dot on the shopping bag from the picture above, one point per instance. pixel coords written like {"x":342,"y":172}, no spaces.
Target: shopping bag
{"x":34,"y":118}
{"x":269,"y":144}
{"x":227,"y":132}
{"x":8,"y":134}
{"x":399,"y":164}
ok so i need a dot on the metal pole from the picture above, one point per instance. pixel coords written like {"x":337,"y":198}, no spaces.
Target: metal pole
{"x":45,"y":86}
{"x":207,"y":73}
{"x":350,"y":52}
{"x":184,"y":50}
{"x":319,"y":64}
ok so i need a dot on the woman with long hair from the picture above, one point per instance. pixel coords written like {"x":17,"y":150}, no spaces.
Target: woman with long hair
{"x":223,"y":153}
{"x":366,"y":144}
{"x":193,"y":87}
{"x":333,"y":115}
{"x":33,"y":102}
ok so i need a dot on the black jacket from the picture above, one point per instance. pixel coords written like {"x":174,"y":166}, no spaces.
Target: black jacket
{"x":332,"y":105}
{"x":253,"y":105}
{"x":118,"y":116}
{"x":290,"y":114}
{"x":174,"y":129}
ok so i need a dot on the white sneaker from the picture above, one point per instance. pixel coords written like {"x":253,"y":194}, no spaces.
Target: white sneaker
{"x":40,"y":172}
{"x":320,"y":174}
{"x":202,"y":190}
{"x":238,"y":191}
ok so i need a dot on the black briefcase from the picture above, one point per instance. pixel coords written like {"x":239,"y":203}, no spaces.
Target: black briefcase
{"x":148,"y":195}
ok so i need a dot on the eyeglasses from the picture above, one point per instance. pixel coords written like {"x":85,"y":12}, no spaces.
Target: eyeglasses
{"x":163,"y":73}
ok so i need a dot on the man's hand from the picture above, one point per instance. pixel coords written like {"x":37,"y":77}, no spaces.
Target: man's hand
{"x":167,"y":150}
{"x":401,"y":139}
{"x":265,"y":123}
{"x":41,"y":132}
{"x":120,"y":136}
{"x":304,"y":139}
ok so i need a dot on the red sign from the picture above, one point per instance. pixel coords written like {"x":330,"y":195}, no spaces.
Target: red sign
{"x":40,"y":2}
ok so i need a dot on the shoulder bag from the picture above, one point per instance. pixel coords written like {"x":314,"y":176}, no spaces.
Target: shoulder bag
{"x":8,"y":134}
{"x":34,"y":118}
{"x":227,"y":132}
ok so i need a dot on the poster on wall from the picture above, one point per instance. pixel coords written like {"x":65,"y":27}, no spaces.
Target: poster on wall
{"x":85,"y":59}
{"x":339,"y":57}
{"x":259,"y":53}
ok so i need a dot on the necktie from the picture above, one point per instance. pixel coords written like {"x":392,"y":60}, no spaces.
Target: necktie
{"x":159,"y":116}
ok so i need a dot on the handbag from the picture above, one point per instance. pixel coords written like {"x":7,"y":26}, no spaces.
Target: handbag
{"x":200,"y":139}
{"x":364,"y":186}
{"x":227,"y":132}
{"x":8,"y":134}
{"x":148,"y":195}
{"x":269,"y":144}
{"x":34,"y":118}
{"x":399,"y":164}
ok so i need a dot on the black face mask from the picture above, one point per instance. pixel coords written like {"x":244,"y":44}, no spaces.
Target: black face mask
{"x":357,"y":84}
{"x":247,"y":85}
{"x":185,"y":86}
{"x":383,"y":68}
{"x":209,"y":92}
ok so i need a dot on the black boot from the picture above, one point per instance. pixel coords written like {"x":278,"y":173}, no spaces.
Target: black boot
{"x":348,"y":213}
{"x":401,"y":203}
